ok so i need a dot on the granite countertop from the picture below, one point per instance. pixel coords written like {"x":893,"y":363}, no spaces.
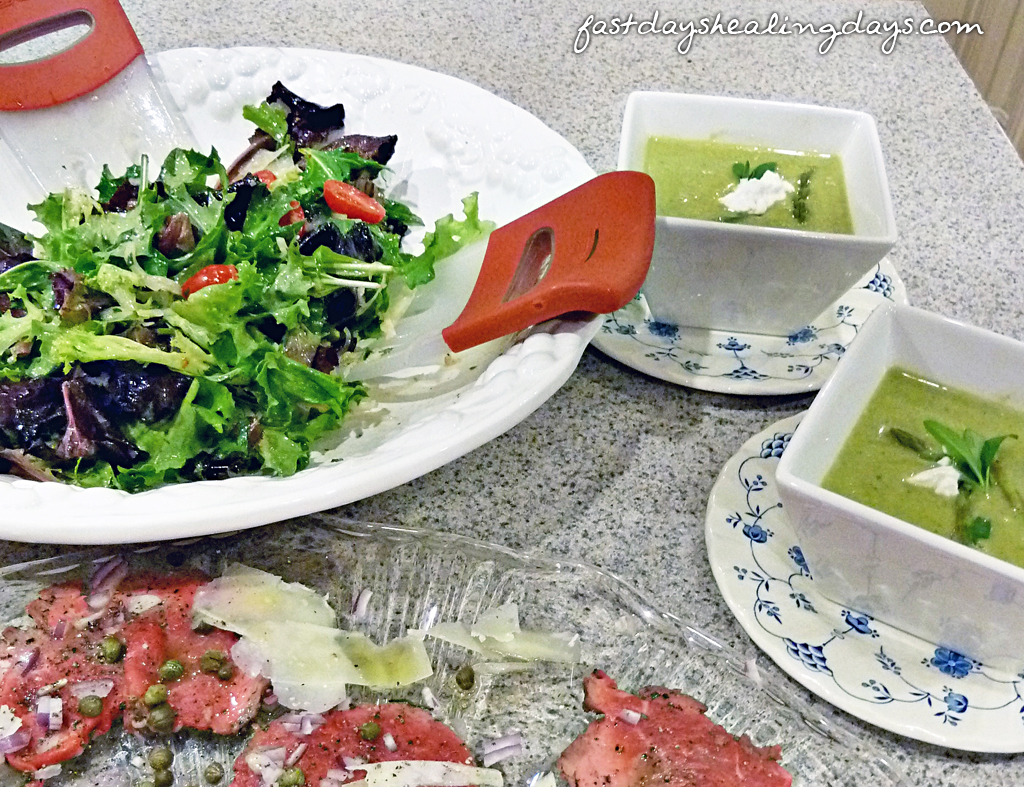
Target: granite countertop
{"x":615,"y":469}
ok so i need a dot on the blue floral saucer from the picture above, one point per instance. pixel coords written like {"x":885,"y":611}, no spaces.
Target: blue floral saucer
{"x":868,"y":669}
{"x":740,"y":363}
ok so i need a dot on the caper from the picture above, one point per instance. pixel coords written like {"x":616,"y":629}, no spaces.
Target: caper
{"x":292,"y":777}
{"x":214,"y":772}
{"x":465,"y":677}
{"x":90,"y":706}
{"x":212,"y":661}
{"x":155,"y":694}
{"x":226,"y":671}
{"x":369,"y":731}
{"x":161,"y":758}
{"x":170,"y":670}
{"x":111,"y":649}
{"x":163,"y":779}
{"x":161,"y":718}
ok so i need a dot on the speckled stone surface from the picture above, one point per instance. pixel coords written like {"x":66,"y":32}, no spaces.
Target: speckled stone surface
{"x":616,"y":468}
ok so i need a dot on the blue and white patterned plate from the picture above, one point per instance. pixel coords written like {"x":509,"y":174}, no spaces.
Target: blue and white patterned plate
{"x":868,"y":669}
{"x":743,"y":363}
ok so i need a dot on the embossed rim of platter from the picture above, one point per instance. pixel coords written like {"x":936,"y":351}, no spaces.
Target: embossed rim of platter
{"x":510,"y":389}
{"x":845,"y":657}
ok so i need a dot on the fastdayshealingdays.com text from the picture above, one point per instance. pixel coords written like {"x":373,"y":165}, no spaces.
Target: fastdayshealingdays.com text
{"x":889,"y":29}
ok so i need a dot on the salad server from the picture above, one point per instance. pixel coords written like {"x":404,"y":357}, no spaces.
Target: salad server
{"x":585,"y":251}
{"x":95,"y":103}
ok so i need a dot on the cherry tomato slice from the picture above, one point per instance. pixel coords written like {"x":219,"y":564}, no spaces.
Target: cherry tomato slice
{"x":211,"y":274}
{"x":266,"y":176}
{"x":345,"y":198}
{"x":294,"y":216}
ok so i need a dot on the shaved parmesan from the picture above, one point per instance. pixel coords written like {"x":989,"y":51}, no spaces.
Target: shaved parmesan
{"x":289,"y":636}
{"x":399,"y":663}
{"x":244,"y":595}
{"x":496,"y":635}
{"x":421,"y":773}
{"x":306,"y":664}
{"x":500,"y":623}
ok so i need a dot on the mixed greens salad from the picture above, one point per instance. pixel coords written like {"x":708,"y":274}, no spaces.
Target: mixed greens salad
{"x":191,"y":323}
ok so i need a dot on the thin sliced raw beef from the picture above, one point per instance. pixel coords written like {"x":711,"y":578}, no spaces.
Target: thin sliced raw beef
{"x":672,"y":743}
{"x":417,"y":736}
{"x":151,"y":615}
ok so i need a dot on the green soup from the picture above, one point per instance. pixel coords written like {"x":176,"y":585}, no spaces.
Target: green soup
{"x":691,"y":174}
{"x":874,"y":464}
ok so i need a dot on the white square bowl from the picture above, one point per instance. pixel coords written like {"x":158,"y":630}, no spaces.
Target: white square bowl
{"x":749,"y":279}
{"x":927,"y":585}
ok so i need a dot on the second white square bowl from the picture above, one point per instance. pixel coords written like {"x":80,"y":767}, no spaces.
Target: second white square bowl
{"x":749,"y":279}
{"x":942,"y":591}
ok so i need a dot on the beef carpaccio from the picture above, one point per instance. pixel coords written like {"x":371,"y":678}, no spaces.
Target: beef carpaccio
{"x":661,"y":737}
{"x":123,"y":647}
{"x":368,"y":733}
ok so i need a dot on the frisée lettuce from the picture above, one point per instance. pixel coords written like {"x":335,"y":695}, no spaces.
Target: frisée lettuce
{"x":179,"y":324}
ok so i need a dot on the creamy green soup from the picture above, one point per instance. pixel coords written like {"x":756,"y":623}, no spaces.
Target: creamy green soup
{"x":690,"y":175}
{"x":890,"y":444}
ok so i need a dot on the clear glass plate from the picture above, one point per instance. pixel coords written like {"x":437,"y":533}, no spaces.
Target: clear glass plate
{"x":418,"y":578}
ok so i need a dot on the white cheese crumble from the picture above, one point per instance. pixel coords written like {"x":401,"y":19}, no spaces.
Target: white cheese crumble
{"x":943,"y":479}
{"x":142,"y":603}
{"x":756,"y":195}
{"x":9,"y":723}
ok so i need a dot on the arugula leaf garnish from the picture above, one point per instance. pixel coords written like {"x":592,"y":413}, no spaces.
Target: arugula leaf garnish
{"x":978,"y":529}
{"x":742,"y":170}
{"x":971,"y":453}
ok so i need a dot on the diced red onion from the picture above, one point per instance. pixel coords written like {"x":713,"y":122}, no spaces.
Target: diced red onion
{"x":501,"y":743}
{"x":338,"y":774}
{"x":362,"y":604}
{"x":389,"y":742}
{"x":630,"y":716}
{"x":50,"y":712}
{"x":16,"y":741}
{"x":270,"y":700}
{"x":429,"y":699}
{"x":60,"y":629}
{"x":92,"y":688}
{"x":351,"y":764}
{"x":103,"y":570}
{"x":48,"y":772}
{"x":295,"y":755}
{"x":28,"y":659}
{"x":268,"y":763}
{"x":105,"y":582}
{"x":499,"y":755}
{"x":301,"y":723}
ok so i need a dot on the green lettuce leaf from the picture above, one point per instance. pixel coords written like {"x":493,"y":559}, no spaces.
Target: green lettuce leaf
{"x":449,"y":235}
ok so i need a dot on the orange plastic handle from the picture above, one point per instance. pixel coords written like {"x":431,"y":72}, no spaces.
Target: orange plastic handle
{"x":599,"y":237}
{"x":102,"y":54}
